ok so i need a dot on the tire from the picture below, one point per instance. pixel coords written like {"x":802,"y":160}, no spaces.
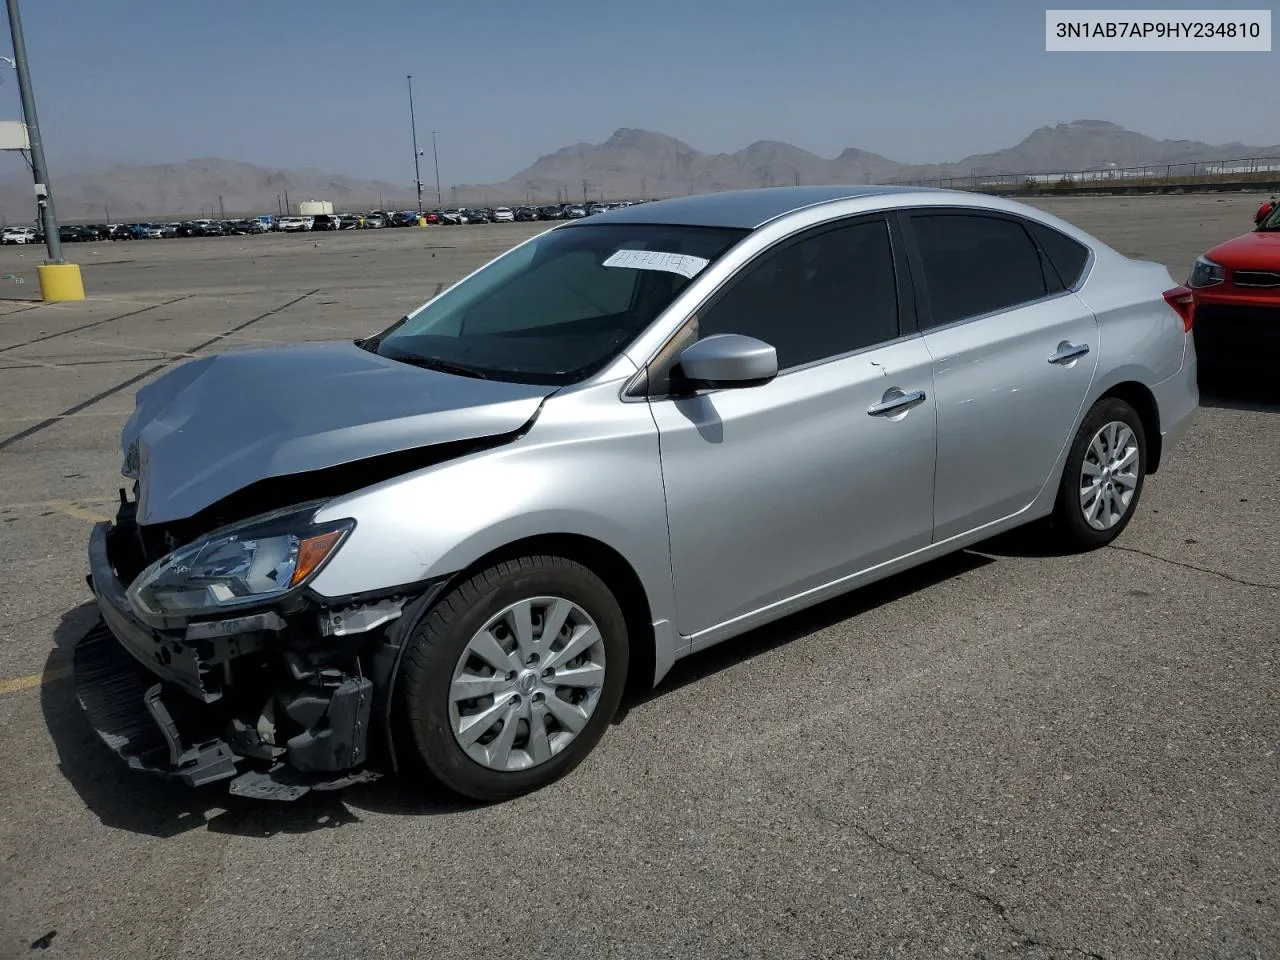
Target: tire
{"x":1109,"y":418}
{"x":439,"y":660}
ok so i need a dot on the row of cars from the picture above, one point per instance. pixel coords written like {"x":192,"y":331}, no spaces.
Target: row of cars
{"x":552,"y":211}
{"x":87,"y":232}
{"x":81,"y":233}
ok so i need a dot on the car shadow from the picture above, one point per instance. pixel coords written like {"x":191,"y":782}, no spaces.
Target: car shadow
{"x":1254,"y":398}
{"x":693,"y":668}
{"x":139,"y":803}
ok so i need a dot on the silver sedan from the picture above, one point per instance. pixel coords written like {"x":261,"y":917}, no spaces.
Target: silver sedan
{"x":448,"y":547}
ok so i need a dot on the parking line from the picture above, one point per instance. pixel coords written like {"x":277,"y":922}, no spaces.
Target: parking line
{"x":124,"y":385}
{"x":30,"y":682}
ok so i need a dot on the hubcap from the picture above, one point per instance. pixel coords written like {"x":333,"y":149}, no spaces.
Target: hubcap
{"x":1109,"y":475}
{"x":527,"y":683}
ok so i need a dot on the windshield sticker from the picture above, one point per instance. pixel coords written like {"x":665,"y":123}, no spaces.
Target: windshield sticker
{"x":681,"y":263}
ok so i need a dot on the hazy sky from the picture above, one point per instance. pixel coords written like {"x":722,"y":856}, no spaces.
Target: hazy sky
{"x":321,"y":83}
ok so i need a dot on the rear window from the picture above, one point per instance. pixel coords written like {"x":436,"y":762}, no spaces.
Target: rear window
{"x":1067,"y":257}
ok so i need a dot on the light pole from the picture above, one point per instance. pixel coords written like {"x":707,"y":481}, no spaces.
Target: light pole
{"x":413,"y":128}
{"x":38,"y":168}
{"x":436,"y":156}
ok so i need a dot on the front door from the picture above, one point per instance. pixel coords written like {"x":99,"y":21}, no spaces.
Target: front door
{"x":776,"y":490}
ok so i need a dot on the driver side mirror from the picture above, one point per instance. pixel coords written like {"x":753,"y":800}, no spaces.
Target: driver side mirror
{"x":726,"y":360}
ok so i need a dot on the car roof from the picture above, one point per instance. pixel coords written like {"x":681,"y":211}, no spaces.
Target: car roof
{"x":745,"y":209}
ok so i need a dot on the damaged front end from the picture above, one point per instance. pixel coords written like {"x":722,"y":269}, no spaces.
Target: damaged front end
{"x":214,"y":661}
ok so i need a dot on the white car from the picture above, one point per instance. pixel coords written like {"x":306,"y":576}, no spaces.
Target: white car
{"x":504,"y":215}
{"x":294,"y":224}
{"x":18,"y":235}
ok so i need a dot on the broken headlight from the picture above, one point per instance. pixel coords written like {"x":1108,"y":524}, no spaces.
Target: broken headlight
{"x":244,"y":564}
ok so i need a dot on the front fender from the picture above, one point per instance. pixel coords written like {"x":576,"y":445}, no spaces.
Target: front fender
{"x":588,"y":467}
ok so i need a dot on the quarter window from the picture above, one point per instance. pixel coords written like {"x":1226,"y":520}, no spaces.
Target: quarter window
{"x":823,"y":295}
{"x":975,"y":265}
{"x":1066,"y":257}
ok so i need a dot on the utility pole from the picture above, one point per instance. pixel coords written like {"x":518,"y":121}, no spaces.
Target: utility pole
{"x":436,"y":156}
{"x":584,"y":191}
{"x":107,"y":211}
{"x":413,"y":128}
{"x":39,"y":170}
{"x":222,"y":211}
{"x":286,"y":201}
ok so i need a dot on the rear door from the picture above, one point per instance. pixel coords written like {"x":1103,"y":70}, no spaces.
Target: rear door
{"x":1014,"y":353}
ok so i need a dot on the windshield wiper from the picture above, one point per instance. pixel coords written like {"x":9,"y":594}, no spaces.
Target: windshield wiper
{"x":444,"y":366}
{"x":372,"y":343}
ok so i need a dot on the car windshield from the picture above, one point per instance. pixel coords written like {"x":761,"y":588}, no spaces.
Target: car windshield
{"x":1272,"y":222}
{"x":557,"y":308}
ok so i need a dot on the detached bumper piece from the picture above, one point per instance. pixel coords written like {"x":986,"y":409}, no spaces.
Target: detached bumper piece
{"x":143,"y":722}
{"x":132,"y":719}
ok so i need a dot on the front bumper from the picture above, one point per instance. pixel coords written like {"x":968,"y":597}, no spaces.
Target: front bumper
{"x":265,"y":700}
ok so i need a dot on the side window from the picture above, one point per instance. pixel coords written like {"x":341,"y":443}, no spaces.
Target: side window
{"x":975,"y":265}
{"x":1066,"y":256}
{"x":814,"y":298}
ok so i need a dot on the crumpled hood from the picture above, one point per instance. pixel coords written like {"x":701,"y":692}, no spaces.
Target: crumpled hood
{"x":215,"y":425}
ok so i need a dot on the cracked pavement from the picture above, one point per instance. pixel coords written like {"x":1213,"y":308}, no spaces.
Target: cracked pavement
{"x":1004,"y":754}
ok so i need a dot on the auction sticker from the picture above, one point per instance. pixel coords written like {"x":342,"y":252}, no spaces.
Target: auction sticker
{"x":681,"y":263}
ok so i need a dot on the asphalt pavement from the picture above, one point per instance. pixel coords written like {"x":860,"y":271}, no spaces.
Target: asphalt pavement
{"x":1002,"y":754}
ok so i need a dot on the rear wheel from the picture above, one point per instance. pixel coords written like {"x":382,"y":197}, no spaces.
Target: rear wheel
{"x":510,"y":680}
{"x":1103,"y":477}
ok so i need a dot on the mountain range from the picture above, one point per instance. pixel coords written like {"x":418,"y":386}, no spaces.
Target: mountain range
{"x":631,"y":163}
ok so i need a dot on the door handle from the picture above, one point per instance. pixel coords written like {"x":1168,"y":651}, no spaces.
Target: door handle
{"x":1068,"y":351}
{"x":895,"y":400}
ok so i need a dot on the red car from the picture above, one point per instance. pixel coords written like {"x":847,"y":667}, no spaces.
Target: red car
{"x":1236,"y":287}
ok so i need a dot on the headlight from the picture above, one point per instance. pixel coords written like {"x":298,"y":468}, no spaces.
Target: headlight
{"x":247,"y":563}
{"x":1206,"y":273}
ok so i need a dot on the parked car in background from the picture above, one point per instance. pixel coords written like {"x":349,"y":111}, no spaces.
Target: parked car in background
{"x":325,"y":221}
{"x":1236,"y":290}
{"x":170,"y":230}
{"x":122,"y":231}
{"x":374,"y":221}
{"x":573,"y":211}
{"x":18,"y":235}
{"x":710,"y":441}
{"x":526,"y":214}
{"x":551,"y":212}
{"x":294,"y":224}
{"x":504,"y":215}
{"x":452,"y":216}
{"x":476,"y":215}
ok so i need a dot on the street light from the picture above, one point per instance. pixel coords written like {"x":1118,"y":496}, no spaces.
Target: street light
{"x":59,"y":280}
{"x":413,"y":127}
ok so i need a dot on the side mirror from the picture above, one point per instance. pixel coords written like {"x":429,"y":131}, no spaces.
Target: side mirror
{"x":727,"y":360}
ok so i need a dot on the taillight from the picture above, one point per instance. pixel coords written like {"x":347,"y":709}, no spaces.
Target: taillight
{"x":1183,"y":302}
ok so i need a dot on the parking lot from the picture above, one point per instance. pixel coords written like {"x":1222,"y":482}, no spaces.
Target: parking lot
{"x":1002,"y":754}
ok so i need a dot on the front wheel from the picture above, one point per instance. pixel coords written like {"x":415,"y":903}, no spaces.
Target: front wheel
{"x":1103,"y":477}
{"x":510,"y":680}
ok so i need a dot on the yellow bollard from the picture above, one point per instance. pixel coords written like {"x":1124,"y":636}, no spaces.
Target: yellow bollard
{"x":60,"y":281}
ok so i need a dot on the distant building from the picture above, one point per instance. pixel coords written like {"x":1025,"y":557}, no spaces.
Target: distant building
{"x":315,"y":208}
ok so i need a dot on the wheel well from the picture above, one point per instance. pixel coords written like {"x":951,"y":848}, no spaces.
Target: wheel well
{"x":1142,"y":400}
{"x":618,"y":575}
